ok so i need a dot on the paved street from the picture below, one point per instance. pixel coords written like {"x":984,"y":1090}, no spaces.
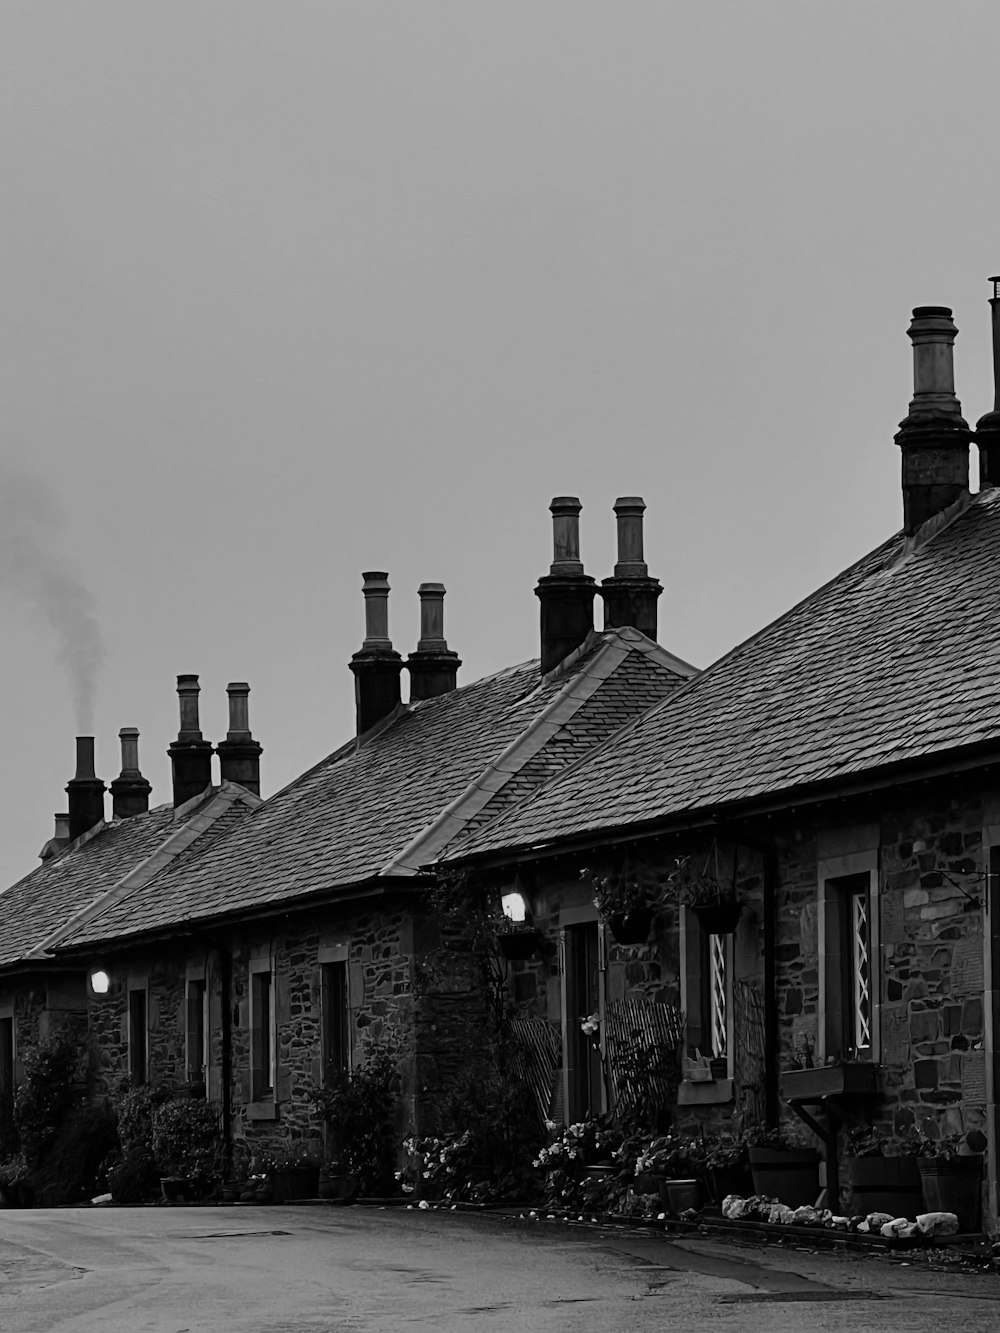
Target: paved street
{"x":362,"y":1270}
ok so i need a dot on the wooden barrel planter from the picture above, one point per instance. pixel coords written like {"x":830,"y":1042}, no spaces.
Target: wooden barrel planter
{"x":631,"y":927}
{"x":953,"y":1186}
{"x":884,"y":1185}
{"x":790,"y":1175}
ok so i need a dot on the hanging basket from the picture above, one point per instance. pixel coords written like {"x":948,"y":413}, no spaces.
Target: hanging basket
{"x":718,"y":918}
{"x":519,"y":945}
{"x":631,"y":927}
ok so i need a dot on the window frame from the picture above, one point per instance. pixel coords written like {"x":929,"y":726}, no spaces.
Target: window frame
{"x":335,"y":1012}
{"x":7,"y":1093}
{"x":196,"y":1033}
{"x":696,"y":987}
{"x":138,"y":1052}
{"x":263,"y":1036}
{"x":842,"y":879}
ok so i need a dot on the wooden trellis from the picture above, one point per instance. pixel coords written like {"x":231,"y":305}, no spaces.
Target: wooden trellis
{"x":533,"y":1059}
{"x":657,"y":1032}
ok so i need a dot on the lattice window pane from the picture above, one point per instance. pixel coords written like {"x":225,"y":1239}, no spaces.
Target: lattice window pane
{"x":861,"y":972}
{"x":717,"y":971}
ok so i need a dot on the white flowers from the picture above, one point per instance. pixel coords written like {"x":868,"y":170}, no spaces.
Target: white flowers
{"x":591,"y":1025}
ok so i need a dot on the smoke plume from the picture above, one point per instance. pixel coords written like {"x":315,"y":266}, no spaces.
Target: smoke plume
{"x":33,"y":570}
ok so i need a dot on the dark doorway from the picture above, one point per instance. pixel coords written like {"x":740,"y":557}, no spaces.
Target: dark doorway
{"x":585,"y":1080}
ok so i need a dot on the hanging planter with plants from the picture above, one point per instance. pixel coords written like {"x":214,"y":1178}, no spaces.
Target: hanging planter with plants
{"x":518,"y":945}
{"x":702,"y":887}
{"x":626,"y":899}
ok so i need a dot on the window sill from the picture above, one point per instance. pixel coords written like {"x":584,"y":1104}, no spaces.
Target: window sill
{"x":714,"y":1093}
{"x":262,"y":1110}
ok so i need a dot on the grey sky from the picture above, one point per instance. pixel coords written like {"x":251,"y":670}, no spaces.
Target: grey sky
{"x":292,"y":290}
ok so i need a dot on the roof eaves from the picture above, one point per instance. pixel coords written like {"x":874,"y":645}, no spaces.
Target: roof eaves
{"x":579,"y":687}
{"x":228,"y":795}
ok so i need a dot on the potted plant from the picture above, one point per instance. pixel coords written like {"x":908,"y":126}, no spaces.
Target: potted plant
{"x":625,"y":900}
{"x":517,"y":941}
{"x":727,"y":1168}
{"x":951,"y":1171}
{"x":701,"y":886}
{"x":882,"y":1174}
{"x":295,"y":1176}
{"x":782,"y":1170}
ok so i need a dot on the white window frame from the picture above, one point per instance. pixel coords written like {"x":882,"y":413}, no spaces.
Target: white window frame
{"x":258,"y":966}
{"x":696,"y":985}
{"x":831,"y":943}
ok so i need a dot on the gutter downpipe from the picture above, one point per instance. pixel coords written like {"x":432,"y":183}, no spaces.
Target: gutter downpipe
{"x":226,"y":986}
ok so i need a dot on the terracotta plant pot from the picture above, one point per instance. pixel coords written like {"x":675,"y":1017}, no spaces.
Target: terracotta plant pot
{"x":519,"y":945}
{"x":953,"y":1186}
{"x":884,"y":1185}
{"x":790,"y":1175}
{"x":631,"y":927}
{"x":680,"y":1195}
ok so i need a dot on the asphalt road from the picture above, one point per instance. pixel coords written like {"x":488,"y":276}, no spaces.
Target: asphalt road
{"x":365,"y":1270}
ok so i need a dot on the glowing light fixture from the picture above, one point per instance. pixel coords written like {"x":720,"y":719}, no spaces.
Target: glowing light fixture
{"x":100,"y":982}
{"x":513,"y":906}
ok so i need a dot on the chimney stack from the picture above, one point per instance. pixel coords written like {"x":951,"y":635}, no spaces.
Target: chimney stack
{"x":988,"y":426}
{"x":934,"y":437}
{"x":239,"y":754}
{"x":376,"y":666}
{"x":85,"y":790}
{"x":58,"y":841}
{"x":433,"y":667}
{"x":566,"y":593}
{"x":130,"y":790}
{"x":630,"y":596}
{"x":190,"y":754}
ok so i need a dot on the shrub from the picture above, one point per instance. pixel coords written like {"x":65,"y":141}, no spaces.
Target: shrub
{"x":46,"y":1094}
{"x":185,"y":1139}
{"x":73,"y":1169}
{"x":358,"y":1109}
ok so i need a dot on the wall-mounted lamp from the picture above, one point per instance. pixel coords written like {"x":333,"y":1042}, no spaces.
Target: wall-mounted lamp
{"x":513,"y":906}
{"x":100,"y":982}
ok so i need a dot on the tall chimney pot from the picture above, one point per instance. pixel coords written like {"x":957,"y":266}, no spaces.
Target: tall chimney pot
{"x":433,"y":667}
{"x":630,"y":596}
{"x":190,"y":754}
{"x":58,"y":841}
{"x":988,"y":426}
{"x":934,"y":437}
{"x":239,"y":754}
{"x":130,"y":790}
{"x":85,"y":791}
{"x":566,"y":593}
{"x":377,"y":666}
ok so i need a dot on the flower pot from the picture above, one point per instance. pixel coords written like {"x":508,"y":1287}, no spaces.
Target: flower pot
{"x":519,"y":945}
{"x":718,"y":918}
{"x":340,"y":1187}
{"x":680,"y":1195}
{"x":231,"y":1193}
{"x":953,"y":1186}
{"x":175,"y":1189}
{"x":647,"y":1183}
{"x":849,"y":1078}
{"x":294,"y":1182}
{"x":790,"y":1175}
{"x":631,"y":927}
{"x":884,"y":1185}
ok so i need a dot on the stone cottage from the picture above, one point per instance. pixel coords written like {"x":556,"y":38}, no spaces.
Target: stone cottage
{"x":285,"y":951}
{"x":837,"y":777}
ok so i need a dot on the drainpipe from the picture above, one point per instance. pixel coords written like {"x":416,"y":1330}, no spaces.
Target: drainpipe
{"x":226,"y":986}
{"x":772,"y":1102}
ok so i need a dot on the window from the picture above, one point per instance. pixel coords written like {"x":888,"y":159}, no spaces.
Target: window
{"x":583,"y":965}
{"x":336,"y":1022}
{"x":849,"y":1009}
{"x":261,"y":1033}
{"x":707,"y":987}
{"x":197,"y":1033}
{"x":138,"y":1035}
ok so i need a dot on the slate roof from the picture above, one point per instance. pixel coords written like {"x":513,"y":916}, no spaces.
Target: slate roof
{"x":381,"y":809}
{"x":33,"y":907}
{"x":897,"y":659}
{"x":36,"y":910}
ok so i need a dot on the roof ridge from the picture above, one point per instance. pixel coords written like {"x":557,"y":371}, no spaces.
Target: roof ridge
{"x":611,"y":650}
{"x":177,"y":841}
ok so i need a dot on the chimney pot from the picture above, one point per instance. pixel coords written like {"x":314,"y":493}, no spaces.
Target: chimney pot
{"x":630,"y":596}
{"x":433,"y":667}
{"x":988,"y":427}
{"x":130,"y":790}
{"x":934,"y":437}
{"x":239,"y":754}
{"x":377,"y":666}
{"x":566,"y":593}
{"x":190,"y":754}
{"x":85,"y":791}
{"x":59,"y":839}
